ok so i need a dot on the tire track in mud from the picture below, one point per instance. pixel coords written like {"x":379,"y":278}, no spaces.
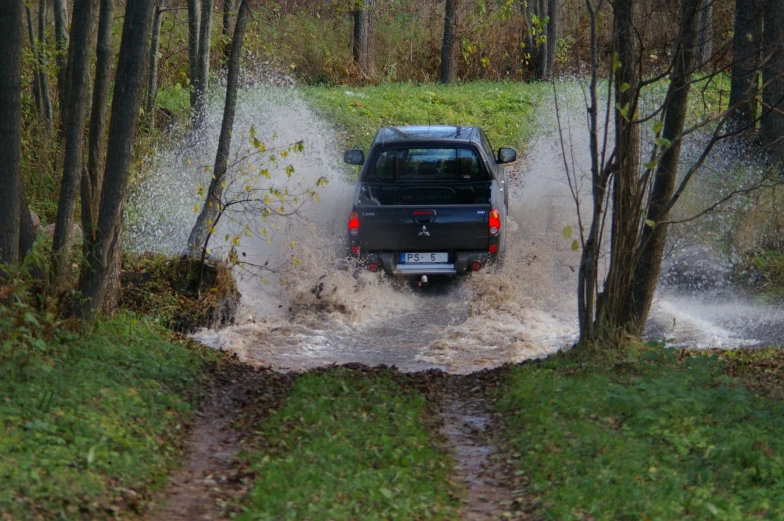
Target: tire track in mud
{"x":212,"y":477}
{"x":493,"y":489}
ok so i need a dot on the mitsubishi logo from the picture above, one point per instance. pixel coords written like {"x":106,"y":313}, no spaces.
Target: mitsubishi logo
{"x":424,"y":232}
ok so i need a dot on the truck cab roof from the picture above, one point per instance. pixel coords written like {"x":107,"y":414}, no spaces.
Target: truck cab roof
{"x":426,"y":133}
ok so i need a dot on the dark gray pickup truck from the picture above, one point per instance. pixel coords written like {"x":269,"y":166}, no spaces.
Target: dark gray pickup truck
{"x":430,"y":200}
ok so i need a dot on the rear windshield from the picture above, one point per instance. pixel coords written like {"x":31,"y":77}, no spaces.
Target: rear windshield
{"x":427,"y":164}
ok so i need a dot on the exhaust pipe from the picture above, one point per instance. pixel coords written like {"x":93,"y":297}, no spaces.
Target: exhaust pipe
{"x":422,"y":281}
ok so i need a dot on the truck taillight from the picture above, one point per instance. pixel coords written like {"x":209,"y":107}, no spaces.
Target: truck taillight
{"x":494,"y":223}
{"x":353,"y":224}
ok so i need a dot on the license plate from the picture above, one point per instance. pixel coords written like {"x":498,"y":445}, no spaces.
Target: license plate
{"x":424,"y":258}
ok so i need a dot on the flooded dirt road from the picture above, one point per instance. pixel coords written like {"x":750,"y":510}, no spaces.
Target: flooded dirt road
{"x":329,"y":312}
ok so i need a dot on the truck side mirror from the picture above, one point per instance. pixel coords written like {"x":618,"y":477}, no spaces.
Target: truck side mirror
{"x":354,"y":157}
{"x":506,"y":155}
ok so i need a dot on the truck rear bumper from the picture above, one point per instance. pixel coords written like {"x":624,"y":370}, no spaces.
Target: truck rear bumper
{"x":389,"y":260}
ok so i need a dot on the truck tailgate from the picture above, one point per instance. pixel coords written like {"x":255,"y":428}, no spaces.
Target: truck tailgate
{"x":426,"y":229}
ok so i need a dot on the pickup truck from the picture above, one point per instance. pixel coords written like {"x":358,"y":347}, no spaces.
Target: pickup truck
{"x":431,"y":200}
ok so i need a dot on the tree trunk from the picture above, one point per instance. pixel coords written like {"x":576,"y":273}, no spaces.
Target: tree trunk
{"x":626,"y":205}
{"x":746,"y":50}
{"x":705,"y":40}
{"x":77,"y":80}
{"x":448,"y":72}
{"x":228,"y":20}
{"x":205,"y":31}
{"x":553,"y":29}
{"x":587,"y":278}
{"x":36,"y":68}
{"x":209,"y":212}
{"x":92,"y":176}
{"x":361,"y":36}
{"x":194,"y":16}
{"x":129,"y":86}
{"x":543,"y":60}
{"x":61,"y":40}
{"x":772,"y":126}
{"x":651,"y":248}
{"x":11,"y":20}
{"x":152,"y":70}
{"x":45,"y":98}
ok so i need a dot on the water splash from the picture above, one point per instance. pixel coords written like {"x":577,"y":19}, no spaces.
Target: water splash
{"x":329,"y":311}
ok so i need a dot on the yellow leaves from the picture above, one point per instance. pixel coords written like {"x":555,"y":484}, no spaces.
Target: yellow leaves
{"x":195,"y":207}
{"x":212,"y":230}
{"x":267,"y":199}
{"x":292,"y":244}
{"x":236,"y":240}
{"x":249,"y":187}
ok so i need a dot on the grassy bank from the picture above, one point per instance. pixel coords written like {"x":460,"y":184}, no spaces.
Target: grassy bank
{"x":92,"y":424}
{"x":504,"y":109}
{"x":655,"y":438}
{"x":350,"y":445}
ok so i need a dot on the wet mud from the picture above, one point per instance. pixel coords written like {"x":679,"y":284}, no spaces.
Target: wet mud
{"x":212,"y":478}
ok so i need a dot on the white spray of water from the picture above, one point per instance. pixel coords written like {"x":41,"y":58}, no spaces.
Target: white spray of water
{"x":328,"y":311}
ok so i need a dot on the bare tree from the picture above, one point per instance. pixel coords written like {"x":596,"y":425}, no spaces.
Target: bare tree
{"x":203,"y":64}
{"x":362,"y":42}
{"x":209,"y":212}
{"x":637,"y":199}
{"x":92,"y":176}
{"x":448,"y":72}
{"x":77,"y":81}
{"x":128,"y":90}
{"x":152,"y":70}
{"x":747,"y":53}
{"x":11,"y":20}
{"x":194,"y":18}
{"x":705,"y":40}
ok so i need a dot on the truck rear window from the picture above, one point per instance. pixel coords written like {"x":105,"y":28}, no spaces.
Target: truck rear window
{"x":427,"y":164}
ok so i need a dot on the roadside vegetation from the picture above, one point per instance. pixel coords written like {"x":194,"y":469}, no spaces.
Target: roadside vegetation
{"x":663,"y":435}
{"x":505,"y":110}
{"x":92,"y":423}
{"x":351,"y":444}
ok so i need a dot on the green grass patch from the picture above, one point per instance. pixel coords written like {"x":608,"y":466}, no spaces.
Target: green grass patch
{"x":88,"y":426}
{"x":651,"y":439}
{"x":347,"y":446}
{"x":505,"y":110}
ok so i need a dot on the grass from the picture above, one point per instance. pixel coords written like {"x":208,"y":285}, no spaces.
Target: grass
{"x":504,"y":109}
{"x":650,"y":439}
{"x":347,"y":446}
{"x":88,"y":429}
